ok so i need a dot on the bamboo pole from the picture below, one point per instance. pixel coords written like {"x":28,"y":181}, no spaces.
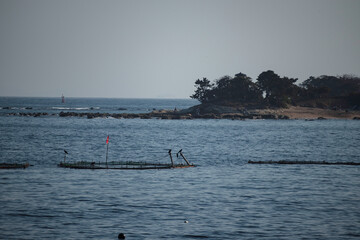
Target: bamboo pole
{"x":184,"y":158}
{"x":65,"y":153}
{"x":172,"y":162}
{"x":107,"y":150}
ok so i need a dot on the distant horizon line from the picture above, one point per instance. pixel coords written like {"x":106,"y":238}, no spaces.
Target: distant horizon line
{"x":101,"y":97}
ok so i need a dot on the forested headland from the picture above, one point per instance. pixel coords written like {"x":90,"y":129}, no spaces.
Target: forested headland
{"x":272,"y":91}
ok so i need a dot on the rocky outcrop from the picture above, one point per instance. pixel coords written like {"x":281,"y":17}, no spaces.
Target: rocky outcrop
{"x":186,"y":114}
{"x":36,"y":114}
{"x":211,"y":111}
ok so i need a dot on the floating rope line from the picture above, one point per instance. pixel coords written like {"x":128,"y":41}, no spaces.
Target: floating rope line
{"x":303,"y":162}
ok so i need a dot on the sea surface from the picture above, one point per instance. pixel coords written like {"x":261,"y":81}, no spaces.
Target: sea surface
{"x":224,"y":197}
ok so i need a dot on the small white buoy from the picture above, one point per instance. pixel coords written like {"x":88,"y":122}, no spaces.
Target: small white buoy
{"x":186,"y":221}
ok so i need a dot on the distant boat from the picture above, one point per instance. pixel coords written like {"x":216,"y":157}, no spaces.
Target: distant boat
{"x":62,"y":99}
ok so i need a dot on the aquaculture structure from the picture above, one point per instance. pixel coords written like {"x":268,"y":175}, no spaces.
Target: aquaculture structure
{"x":13,"y":165}
{"x":304,"y":162}
{"x":127,"y":165}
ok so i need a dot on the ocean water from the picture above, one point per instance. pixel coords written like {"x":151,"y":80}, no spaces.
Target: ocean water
{"x":107,"y":105}
{"x":222,"y":198}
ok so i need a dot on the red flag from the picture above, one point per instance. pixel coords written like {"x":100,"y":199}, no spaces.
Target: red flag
{"x":107,"y":140}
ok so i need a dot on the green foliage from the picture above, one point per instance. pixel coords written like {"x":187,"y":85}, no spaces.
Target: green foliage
{"x":354,"y":99}
{"x":278,"y":91}
{"x":202,"y":89}
{"x":275,"y":91}
{"x":331,"y":86}
{"x":238,"y":89}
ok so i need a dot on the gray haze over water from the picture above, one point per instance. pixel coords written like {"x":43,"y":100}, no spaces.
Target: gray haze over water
{"x":157,"y":49}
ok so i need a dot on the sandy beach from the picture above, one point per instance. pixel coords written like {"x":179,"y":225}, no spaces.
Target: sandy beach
{"x":296,"y":112}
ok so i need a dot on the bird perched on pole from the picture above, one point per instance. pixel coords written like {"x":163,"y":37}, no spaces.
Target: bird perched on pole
{"x":65,"y":155}
{"x":177,"y":154}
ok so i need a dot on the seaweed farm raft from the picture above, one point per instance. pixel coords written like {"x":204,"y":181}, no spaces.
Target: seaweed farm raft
{"x":13,"y":165}
{"x":304,"y":162}
{"x":127,"y":165}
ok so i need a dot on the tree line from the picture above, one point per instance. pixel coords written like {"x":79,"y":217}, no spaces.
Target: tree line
{"x":271,"y":90}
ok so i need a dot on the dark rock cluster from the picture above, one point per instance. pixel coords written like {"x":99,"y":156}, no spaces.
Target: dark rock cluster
{"x":173,"y":115}
{"x":202,"y":111}
{"x":35,"y":114}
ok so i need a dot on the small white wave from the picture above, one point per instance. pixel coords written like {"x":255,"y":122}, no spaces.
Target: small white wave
{"x":16,"y":108}
{"x":60,"y":108}
{"x":76,"y":108}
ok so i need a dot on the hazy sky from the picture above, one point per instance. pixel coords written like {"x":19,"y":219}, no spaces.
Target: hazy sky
{"x":152,"y":49}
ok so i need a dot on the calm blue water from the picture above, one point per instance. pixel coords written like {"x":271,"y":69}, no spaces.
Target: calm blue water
{"x":222,"y":198}
{"x":107,"y":105}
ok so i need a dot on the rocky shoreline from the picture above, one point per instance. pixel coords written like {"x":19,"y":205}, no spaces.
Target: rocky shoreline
{"x":164,"y":114}
{"x":218,"y":112}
